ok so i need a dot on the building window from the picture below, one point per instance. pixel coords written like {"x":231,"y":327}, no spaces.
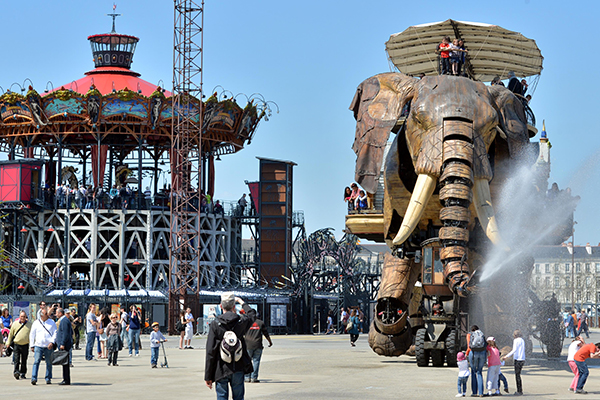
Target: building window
{"x":537,"y":281}
{"x":537,"y":268}
{"x":567,"y":267}
{"x":556,"y":268}
{"x":588,"y":282}
{"x":556,"y":282}
{"x":577,"y":267}
{"x":588,"y":268}
{"x":547,"y":282}
{"x":578,"y":282}
{"x":568,"y":282}
{"x":598,"y":268}
{"x":547,"y":268}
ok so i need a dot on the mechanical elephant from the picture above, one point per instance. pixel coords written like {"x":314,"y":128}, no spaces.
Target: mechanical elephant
{"x":455,"y":138}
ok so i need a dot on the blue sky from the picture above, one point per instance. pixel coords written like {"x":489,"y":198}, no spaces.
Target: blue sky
{"x":308,"y":57}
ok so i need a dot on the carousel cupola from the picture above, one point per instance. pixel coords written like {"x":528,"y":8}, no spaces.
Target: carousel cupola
{"x":112,"y":50}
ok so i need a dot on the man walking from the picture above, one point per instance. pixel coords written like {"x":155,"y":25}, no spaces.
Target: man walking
{"x":42,"y":338}
{"x":19,"y":338}
{"x":586,"y":351}
{"x":254,"y":343}
{"x":518,"y":354}
{"x":91,"y":325}
{"x":583,"y":325}
{"x":64,"y":341}
{"x":228,"y":372}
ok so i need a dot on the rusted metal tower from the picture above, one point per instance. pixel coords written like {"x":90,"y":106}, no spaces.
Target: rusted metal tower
{"x":186,"y":158}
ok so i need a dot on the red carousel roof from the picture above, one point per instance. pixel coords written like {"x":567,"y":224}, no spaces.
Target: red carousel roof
{"x":107,"y":79}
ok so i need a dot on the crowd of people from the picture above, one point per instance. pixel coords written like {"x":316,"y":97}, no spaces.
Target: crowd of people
{"x":56,"y":332}
{"x":576,"y":323}
{"x":356,"y":198}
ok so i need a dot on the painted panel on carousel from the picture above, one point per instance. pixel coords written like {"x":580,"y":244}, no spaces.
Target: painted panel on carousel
{"x":190,"y":107}
{"x":34,"y":100}
{"x":223,"y":115}
{"x":125,"y":102}
{"x":250,"y":119}
{"x":14,"y":108}
{"x":63,"y":101}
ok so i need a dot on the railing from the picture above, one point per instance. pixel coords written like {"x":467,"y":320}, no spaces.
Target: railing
{"x":20,"y":270}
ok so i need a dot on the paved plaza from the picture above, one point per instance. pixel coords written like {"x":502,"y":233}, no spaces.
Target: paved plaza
{"x":296,"y":367}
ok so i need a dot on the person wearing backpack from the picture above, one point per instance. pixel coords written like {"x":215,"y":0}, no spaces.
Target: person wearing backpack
{"x":477,"y":352}
{"x":227,"y":358}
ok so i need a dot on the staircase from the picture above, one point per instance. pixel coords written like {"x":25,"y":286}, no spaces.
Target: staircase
{"x":23,"y":272}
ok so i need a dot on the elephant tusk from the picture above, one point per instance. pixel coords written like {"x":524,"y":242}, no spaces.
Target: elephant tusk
{"x":418,"y":201}
{"x":482,"y":200}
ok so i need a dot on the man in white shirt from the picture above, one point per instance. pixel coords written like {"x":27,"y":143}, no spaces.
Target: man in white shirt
{"x":189,"y":329}
{"x":41,"y":340}
{"x":518,"y":355}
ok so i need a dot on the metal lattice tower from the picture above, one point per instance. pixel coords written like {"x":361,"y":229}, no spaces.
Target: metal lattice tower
{"x":186,"y":137}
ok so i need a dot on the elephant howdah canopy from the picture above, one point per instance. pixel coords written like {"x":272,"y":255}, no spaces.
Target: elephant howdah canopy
{"x":492,"y":50}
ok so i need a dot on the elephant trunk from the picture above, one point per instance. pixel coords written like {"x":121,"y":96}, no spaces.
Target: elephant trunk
{"x":456,"y":194}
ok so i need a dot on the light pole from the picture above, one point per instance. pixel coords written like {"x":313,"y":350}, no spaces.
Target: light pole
{"x":573,"y":266}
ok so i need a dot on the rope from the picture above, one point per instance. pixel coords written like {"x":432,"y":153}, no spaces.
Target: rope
{"x":426,"y":52}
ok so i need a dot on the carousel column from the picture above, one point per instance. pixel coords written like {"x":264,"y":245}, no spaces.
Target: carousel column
{"x":67,"y":244}
{"x":94,"y":247}
{"x":156,"y":175}
{"x":140,"y":190}
{"x":149,"y":246}
{"x":122,"y":251}
{"x":98,"y":160}
{"x":84,"y":159}
{"x":59,"y":163}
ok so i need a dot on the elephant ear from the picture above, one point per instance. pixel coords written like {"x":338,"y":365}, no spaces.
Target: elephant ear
{"x":377,"y":105}
{"x":513,"y":122}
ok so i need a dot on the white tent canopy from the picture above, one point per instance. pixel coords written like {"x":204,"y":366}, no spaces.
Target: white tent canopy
{"x":492,"y":50}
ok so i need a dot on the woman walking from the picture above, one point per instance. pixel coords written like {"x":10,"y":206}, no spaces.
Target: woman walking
{"x":353,"y":330}
{"x":573,"y":347}
{"x":104,"y":321}
{"x":113,"y":343}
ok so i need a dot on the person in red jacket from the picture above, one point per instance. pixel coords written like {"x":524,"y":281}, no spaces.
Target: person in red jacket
{"x":586,"y":351}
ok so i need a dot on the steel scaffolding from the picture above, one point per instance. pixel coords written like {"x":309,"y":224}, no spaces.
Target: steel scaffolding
{"x":186,"y":158}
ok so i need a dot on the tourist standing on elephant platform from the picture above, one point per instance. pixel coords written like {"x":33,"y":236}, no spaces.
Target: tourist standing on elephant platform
{"x":444,"y":50}
{"x":354,"y":328}
{"x":573,"y":348}
{"x":518,"y":355}
{"x":493,"y":362}
{"x":477,"y":354}
{"x":347,"y":194}
{"x":361,"y":201}
{"x":353,"y":195}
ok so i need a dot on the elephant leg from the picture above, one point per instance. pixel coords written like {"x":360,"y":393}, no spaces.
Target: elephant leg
{"x":390,"y":333}
{"x":456,"y":195}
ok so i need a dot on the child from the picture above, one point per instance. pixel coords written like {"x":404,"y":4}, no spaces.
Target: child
{"x":155,"y":338}
{"x":455,"y":56}
{"x":113,"y":343}
{"x":493,"y":366}
{"x":463,"y":374}
{"x":444,"y":50}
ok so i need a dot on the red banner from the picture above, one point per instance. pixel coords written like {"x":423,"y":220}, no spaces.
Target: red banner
{"x":254,"y":194}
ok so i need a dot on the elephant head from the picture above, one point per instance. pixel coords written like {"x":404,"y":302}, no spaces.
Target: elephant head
{"x":455,"y":131}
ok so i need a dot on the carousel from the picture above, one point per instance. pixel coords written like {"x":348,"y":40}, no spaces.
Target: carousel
{"x":55,"y":184}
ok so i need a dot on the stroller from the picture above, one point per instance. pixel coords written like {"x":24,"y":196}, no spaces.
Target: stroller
{"x":165,"y":363}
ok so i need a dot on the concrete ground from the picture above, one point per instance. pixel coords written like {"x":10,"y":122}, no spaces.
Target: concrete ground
{"x":296,"y":367}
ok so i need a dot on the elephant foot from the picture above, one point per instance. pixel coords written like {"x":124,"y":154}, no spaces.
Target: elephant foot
{"x":390,"y":345}
{"x":390,"y":333}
